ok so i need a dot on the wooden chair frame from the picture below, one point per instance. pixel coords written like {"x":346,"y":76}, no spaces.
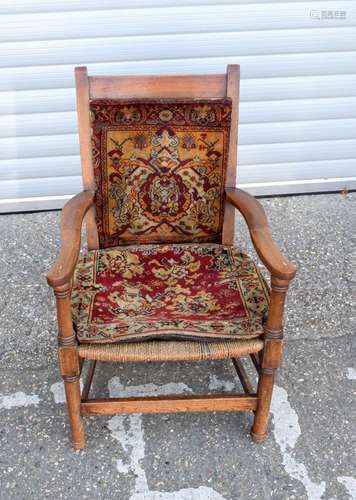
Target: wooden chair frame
{"x":82,"y":207}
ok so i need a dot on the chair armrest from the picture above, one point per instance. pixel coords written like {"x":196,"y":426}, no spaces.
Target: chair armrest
{"x":71,"y":224}
{"x":260,"y":232}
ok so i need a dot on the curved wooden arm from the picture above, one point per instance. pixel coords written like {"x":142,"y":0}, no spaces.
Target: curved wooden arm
{"x":261,"y":235}
{"x":71,"y":224}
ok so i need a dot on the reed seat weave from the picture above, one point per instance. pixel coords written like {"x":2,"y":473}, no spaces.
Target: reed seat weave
{"x":170,"y":350}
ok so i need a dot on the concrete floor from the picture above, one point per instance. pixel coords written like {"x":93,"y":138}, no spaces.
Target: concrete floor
{"x":310,"y":453}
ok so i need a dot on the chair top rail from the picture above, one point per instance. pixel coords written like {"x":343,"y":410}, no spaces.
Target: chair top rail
{"x":157,"y":86}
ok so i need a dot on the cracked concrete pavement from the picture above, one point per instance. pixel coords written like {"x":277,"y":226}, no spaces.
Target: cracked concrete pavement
{"x":310,"y":453}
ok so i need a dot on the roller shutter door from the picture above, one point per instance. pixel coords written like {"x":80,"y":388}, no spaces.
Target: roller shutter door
{"x":298,"y":89}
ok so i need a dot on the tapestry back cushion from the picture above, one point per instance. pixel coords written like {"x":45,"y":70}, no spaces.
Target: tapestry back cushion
{"x":159,"y":168}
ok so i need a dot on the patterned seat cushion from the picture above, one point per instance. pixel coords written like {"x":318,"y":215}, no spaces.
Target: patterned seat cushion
{"x":186,"y":291}
{"x":159,"y":169}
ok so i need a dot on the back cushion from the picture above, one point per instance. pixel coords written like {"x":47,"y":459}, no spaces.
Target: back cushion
{"x":159,"y":168}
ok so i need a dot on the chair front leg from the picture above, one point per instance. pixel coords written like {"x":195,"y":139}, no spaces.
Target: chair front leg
{"x":69,"y":365}
{"x":270,"y":358}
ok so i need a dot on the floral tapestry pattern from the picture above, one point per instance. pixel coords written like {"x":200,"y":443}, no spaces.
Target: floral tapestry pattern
{"x":204,"y":291}
{"x":159,"y":169}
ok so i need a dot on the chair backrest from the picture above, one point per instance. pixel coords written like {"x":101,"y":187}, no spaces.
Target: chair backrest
{"x":158,"y":151}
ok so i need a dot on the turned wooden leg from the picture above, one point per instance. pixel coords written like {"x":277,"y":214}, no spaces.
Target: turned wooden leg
{"x":264,"y":394}
{"x":69,"y":364}
{"x":72,"y":390}
{"x":269,"y":358}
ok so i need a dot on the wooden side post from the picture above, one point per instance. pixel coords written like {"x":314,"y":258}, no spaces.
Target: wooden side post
{"x":82,"y":88}
{"x":232,"y":91}
{"x":69,"y":364}
{"x":270,"y":358}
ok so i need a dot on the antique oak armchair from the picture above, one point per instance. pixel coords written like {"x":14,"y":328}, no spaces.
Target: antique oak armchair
{"x":161,"y":280}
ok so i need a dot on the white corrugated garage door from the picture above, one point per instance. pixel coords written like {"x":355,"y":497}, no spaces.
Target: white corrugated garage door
{"x":298,"y":89}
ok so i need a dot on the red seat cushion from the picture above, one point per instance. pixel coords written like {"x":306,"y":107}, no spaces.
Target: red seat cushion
{"x":186,"y":291}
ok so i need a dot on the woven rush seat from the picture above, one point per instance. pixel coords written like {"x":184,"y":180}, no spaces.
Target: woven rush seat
{"x":169,"y":350}
{"x":185,"y":291}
